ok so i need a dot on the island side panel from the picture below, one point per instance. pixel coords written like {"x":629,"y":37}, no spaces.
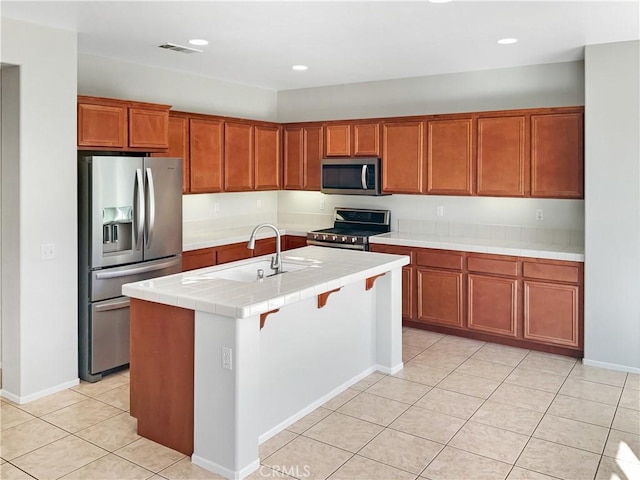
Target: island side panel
{"x":161,"y":370}
{"x":389,"y":321}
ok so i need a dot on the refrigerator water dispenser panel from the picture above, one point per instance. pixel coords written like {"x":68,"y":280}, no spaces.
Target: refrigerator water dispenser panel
{"x":117,"y":229}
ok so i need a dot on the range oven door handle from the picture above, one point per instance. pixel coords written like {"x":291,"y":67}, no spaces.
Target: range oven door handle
{"x":105,"y":307}
{"x":363,"y":177}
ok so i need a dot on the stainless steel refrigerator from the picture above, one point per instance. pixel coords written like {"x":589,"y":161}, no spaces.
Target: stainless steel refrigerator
{"x":130,"y":229}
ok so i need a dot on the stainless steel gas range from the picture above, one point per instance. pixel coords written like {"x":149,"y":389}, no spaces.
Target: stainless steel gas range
{"x":352,"y":228}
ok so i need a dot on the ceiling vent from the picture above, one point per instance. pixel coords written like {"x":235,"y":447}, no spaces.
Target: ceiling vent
{"x":179,"y":48}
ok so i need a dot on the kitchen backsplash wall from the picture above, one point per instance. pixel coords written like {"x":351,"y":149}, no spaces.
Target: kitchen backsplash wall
{"x":220,"y":211}
{"x":474,"y":217}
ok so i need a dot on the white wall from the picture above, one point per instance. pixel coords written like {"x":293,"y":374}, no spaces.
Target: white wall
{"x":40,"y":321}
{"x":559,"y":84}
{"x":107,"y":77}
{"x":612,"y":213}
{"x":550,"y":85}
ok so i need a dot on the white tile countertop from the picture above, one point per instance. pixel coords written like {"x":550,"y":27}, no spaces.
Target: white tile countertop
{"x":215,"y":238}
{"x":533,"y":249}
{"x":319,"y":270}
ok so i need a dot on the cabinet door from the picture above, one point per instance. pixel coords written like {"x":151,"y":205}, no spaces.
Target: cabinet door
{"x":450,"y":157}
{"x":440,"y":297}
{"x":265,"y":246}
{"x":557,"y":160}
{"x":407,"y":292}
{"x":551,"y":313}
{"x":238,"y":157}
{"x":338,"y":140}
{"x":267,"y":158}
{"x":204,"y":257}
{"x":179,"y":146}
{"x":233,"y":252}
{"x":503,"y":157}
{"x":102,"y":126}
{"x":293,"y":158}
{"x":148,"y":128}
{"x":294,"y":241}
{"x":366,"y":140}
{"x":493,"y":304}
{"x":402,"y":157}
{"x":312,"y":157}
{"x":205,"y":148}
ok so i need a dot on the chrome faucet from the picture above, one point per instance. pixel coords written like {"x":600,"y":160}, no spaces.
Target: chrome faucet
{"x":276,"y":264}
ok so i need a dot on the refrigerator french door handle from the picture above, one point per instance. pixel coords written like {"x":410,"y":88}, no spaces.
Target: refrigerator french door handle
{"x":363,"y":177}
{"x":136,"y":270}
{"x":138,"y":209}
{"x":151,"y":193}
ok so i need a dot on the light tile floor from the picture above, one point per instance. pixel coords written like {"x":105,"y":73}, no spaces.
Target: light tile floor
{"x":460,"y":409}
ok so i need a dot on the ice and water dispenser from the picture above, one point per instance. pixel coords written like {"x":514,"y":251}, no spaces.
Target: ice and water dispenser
{"x":117,"y":224}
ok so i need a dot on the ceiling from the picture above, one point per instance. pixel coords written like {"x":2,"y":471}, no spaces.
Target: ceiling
{"x":256,"y":43}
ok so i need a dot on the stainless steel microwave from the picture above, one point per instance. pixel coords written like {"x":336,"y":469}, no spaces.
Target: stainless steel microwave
{"x":352,"y":176}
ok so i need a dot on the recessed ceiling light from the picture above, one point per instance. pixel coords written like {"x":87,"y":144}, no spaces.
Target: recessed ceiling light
{"x":299,"y":68}
{"x":198,"y":41}
{"x":507,"y":41}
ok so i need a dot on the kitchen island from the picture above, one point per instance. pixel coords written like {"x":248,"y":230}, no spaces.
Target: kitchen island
{"x":221,"y":360}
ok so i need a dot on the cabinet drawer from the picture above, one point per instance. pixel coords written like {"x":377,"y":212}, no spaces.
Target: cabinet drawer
{"x":392,"y":249}
{"x":493,"y":265}
{"x":548,"y":271}
{"x":430,"y":258}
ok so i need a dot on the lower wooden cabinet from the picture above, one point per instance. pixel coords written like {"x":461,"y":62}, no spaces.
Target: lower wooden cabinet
{"x":492,"y":304}
{"x":526,"y":302}
{"x":294,"y":241}
{"x":440,"y":297}
{"x":407,"y":292}
{"x":552,"y":313}
{"x":201,"y":258}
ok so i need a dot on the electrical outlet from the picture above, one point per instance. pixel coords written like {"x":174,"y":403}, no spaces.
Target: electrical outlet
{"x":539,"y":214}
{"x":440,"y":211}
{"x":216,"y":207}
{"x":259,"y":204}
{"x":47,"y":251}
{"x":322,"y":205}
{"x":227,"y":358}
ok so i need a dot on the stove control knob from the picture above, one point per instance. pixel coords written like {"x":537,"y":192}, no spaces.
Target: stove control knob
{"x":315,"y":236}
{"x":353,"y":239}
{"x":334,"y":238}
{"x":344,"y":239}
{"x":324,"y":237}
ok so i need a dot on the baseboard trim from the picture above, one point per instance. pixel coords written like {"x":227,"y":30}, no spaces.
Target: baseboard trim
{"x":35,"y":396}
{"x":225,"y":472}
{"x":610,"y":366}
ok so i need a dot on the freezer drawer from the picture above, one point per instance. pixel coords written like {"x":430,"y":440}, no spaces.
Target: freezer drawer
{"x":107,"y":282}
{"x":109,"y":327}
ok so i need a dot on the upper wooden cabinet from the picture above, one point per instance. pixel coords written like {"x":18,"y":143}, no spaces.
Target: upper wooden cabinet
{"x":238,"y":157}
{"x":366,"y":139}
{"x":109,"y":124}
{"x":303,"y":147}
{"x":267,"y":158}
{"x":179,"y":146}
{"x":352,"y":140}
{"x":503,"y":156}
{"x":205,"y":152}
{"x":338,"y":140}
{"x":450,"y":160}
{"x":402,"y":157}
{"x":557,"y":161}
